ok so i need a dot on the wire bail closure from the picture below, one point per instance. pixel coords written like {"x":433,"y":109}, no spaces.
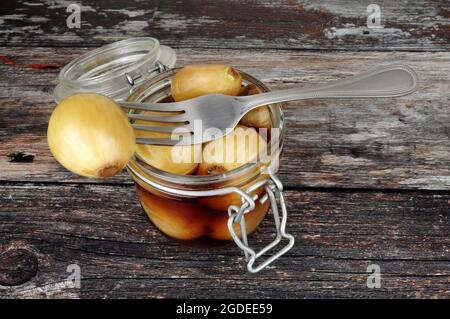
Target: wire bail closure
{"x":236,"y":215}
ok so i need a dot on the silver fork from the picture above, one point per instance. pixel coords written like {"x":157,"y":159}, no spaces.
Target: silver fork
{"x":222,"y":112}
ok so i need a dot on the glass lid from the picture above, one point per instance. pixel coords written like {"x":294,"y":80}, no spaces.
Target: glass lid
{"x":115,"y":68}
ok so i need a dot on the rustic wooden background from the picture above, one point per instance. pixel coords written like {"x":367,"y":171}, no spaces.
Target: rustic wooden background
{"x":367,"y":182}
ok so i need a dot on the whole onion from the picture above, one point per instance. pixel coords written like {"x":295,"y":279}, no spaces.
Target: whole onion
{"x":90,"y":135}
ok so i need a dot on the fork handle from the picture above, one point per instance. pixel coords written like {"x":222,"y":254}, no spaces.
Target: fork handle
{"x":387,"y":81}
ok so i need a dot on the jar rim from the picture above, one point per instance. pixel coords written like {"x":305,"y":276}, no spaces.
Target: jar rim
{"x":104,"y":70}
{"x":65,"y":73}
{"x":204,"y":181}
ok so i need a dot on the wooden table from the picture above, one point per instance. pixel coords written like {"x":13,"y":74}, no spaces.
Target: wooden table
{"x":367,"y":181}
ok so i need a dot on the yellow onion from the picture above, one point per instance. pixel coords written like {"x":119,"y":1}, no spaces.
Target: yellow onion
{"x":178,"y":159}
{"x":201,"y":79}
{"x":90,"y":135}
{"x":241,"y":146}
{"x":259,"y":117}
{"x":178,"y":219}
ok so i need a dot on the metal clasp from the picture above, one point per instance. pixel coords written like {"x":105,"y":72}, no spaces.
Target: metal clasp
{"x":274,"y":189}
{"x":159,"y":67}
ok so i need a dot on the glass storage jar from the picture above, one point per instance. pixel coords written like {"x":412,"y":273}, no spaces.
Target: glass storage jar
{"x":207,"y":209}
{"x":217,"y":208}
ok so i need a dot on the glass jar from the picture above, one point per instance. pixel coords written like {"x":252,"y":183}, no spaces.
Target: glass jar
{"x":212,"y":209}
{"x":217,"y":208}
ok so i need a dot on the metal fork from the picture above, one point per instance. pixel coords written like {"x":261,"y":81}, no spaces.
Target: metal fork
{"x":220,"y":113}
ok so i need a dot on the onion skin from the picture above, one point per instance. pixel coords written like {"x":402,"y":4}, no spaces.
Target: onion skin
{"x":231,"y":151}
{"x":90,"y":135}
{"x":259,"y":117}
{"x":175,"y":218}
{"x":231,"y":154}
{"x":178,"y":159}
{"x":201,"y":79}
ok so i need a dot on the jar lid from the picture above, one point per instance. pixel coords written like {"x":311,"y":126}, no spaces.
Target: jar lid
{"x":115,"y":68}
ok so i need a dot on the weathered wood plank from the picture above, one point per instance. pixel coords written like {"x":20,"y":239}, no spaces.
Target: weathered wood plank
{"x":390,"y":143}
{"x":339,"y":234}
{"x":325,"y":24}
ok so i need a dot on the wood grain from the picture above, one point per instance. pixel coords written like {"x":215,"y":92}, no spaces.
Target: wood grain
{"x":339,"y":234}
{"x":17,"y":266}
{"x":283,"y":24}
{"x":356,"y":171}
{"x":389,"y":143}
